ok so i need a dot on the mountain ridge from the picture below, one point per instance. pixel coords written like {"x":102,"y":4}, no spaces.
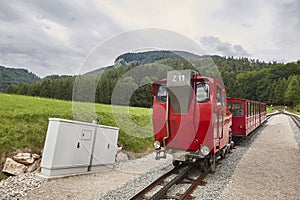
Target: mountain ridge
{"x":14,"y":76}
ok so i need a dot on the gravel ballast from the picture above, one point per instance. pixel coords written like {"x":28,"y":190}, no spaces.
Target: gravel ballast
{"x":17,"y":187}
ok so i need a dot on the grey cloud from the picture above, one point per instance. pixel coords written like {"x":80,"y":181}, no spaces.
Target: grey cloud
{"x":280,"y":38}
{"x":24,"y":42}
{"x":286,"y":22}
{"x":285,"y":30}
{"x":240,"y":13}
{"x":213,"y":45}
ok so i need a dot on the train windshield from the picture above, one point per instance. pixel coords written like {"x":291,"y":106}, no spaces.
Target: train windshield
{"x":236,"y":109}
{"x":202,"y":92}
{"x":161,"y":95}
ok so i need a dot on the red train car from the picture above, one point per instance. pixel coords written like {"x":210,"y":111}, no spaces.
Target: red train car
{"x":190,"y":117}
{"x":247,"y":115}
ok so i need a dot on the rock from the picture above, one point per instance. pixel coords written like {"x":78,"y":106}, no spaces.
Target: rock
{"x":121,"y":157}
{"x":26,"y":158}
{"x":34,"y":166}
{"x":119,"y":149}
{"x":35,"y":156}
{"x":13,"y":168}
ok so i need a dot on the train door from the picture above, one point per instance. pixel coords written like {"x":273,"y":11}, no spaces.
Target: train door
{"x":248,"y":117}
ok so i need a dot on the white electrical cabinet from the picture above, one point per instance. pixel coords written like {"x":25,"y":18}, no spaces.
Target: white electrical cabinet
{"x":73,"y":147}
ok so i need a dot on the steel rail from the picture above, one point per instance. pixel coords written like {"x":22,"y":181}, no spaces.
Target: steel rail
{"x":158,"y":181}
{"x":179,"y":178}
{"x":295,"y":118}
{"x":161,"y":193}
{"x":194,"y":185}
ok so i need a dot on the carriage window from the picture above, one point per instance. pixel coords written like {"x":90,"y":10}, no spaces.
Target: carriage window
{"x":236,"y":109}
{"x":219,"y":95}
{"x":248,"y":109}
{"x":161,"y":95}
{"x":202,"y":92}
{"x":224,"y":99}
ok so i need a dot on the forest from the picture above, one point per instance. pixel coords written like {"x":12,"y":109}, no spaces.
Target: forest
{"x":272,"y":82}
{"x":12,"y":76}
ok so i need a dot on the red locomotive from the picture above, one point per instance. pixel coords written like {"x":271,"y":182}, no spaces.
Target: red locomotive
{"x":191,"y":119}
{"x":247,"y":115}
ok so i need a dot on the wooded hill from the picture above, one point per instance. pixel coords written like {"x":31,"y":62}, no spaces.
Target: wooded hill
{"x":11,"y":76}
{"x":273,"y":83}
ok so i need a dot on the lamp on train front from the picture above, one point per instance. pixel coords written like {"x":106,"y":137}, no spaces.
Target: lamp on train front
{"x":204,"y":150}
{"x":157,"y":145}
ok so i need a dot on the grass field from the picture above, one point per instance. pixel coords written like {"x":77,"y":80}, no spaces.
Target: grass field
{"x":24,"y":122}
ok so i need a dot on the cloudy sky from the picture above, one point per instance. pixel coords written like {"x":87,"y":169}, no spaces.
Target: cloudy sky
{"x":56,"y":37}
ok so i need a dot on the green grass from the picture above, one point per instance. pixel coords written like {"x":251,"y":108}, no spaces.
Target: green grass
{"x":269,"y":110}
{"x":289,"y":109}
{"x":24,"y":122}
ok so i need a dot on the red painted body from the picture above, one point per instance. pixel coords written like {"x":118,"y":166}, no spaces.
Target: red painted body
{"x":206,"y":123}
{"x":247,"y":115}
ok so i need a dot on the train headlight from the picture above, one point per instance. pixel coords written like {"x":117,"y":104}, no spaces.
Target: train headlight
{"x":156,"y":145}
{"x":205,"y":150}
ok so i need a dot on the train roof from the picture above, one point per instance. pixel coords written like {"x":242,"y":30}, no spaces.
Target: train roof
{"x":243,"y":100}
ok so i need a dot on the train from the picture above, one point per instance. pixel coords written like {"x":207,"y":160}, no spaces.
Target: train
{"x":194,"y":120}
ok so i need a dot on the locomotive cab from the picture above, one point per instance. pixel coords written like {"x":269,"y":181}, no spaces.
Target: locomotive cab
{"x":189,"y":116}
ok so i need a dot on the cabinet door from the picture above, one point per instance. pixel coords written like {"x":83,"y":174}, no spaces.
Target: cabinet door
{"x":105,"y":146}
{"x":83,"y":146}
{"x":73,"y":145}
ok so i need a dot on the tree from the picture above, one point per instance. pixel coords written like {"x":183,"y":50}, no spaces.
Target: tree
{"x":11,"y":89}
{"x":292,"y":95}
{"x":279,"y":92}
{"x":123,"y":91}
{"x":272,"y":93}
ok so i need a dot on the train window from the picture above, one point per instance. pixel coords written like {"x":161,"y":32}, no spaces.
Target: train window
{"x":248,"y":109}
{"x":236,"y":109}
{"x":202,"y":92}
{"x":219,"y":95}
{"x":161,"y":95}
{"x":224,"y":99}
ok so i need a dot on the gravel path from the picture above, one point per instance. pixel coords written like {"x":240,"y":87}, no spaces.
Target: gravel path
{"x":89,"y":186}
{"x":92,"y":186}
{"x":271,"y":167}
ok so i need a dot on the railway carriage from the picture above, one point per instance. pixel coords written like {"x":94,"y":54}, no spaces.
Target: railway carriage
{"x":190,"y":118}
{"x":247,"y":115}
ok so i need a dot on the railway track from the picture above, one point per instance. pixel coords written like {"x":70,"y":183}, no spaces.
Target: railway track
{"x":295,"y":118}
{"x":183,"y":174}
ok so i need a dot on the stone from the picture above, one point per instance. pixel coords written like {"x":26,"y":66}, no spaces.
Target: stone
{"x":35,"y":156}
{"x":119,"y":149}
{"x":34,"y":166}
{"x":121,"y":157}
{"x":13,"y":168}
{"x":26,"y":158}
